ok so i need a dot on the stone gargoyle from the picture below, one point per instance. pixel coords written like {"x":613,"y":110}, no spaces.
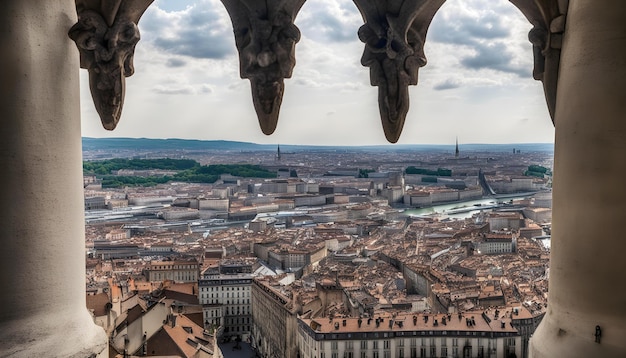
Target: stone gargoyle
{"x":265,"y":37}
{"x":106,"y":35}
{"x":394,"y":34}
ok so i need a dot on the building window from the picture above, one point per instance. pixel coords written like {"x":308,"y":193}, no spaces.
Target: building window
{"x":363,"y":344}
{"x":386,"y":344}
{"x":375,"y":344}
{"x":400,"y":342}
{"x":333,"y":345}
{"x":444,"y":351}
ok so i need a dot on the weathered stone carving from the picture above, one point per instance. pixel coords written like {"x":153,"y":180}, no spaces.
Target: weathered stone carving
{"x":106,"y":35}
{"x":265,"y":37}
{"x":548,"y":20}
{"x":394,"y":35}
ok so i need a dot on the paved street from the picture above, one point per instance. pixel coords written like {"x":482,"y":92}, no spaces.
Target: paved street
{"x":229,"y":352}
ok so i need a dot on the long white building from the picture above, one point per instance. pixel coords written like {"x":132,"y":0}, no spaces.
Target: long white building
{"x":467,"y":335}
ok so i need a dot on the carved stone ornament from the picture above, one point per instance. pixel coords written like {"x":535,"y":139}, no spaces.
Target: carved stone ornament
{"x":106,"y":35}
{"x":265,"y":37}
{"x":394,"y":35}
{"x":548,"y":20}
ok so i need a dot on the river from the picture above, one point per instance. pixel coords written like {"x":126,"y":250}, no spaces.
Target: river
{"x":487,"y":203}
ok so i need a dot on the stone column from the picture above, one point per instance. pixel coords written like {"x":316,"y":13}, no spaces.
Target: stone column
{"x":42,"y":255}
{"x":588,"y":261}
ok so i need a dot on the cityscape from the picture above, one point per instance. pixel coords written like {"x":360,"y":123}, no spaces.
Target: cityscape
{"x":220,"y":249}
{"x":319,"y":179}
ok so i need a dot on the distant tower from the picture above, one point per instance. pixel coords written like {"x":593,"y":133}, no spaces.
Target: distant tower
{"x":278,"y":153}
{"x":456,"y":152}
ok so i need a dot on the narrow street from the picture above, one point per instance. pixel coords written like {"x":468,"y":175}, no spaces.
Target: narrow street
{"x":229,"y":350}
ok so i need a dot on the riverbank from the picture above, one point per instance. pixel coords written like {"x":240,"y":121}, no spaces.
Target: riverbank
{"x":466,"y":209}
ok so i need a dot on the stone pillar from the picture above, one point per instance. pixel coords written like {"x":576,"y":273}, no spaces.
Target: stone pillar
{"x":42,"y":255}
{"x":588,"y":259}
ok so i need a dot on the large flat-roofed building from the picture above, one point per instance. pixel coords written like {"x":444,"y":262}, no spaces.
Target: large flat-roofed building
{"x":225,"y":295}
{"x":505,"y":220}
{"x":407,"y":335}
{"x":95,"y":203}
{"x":178,"y":271}
{"x":107,"y":250}
{"x":496,"y":243}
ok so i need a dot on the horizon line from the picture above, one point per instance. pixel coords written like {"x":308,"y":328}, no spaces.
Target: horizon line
{"x":326,"y":145}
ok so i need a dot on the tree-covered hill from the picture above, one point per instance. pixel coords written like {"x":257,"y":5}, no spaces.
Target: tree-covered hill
{"x":187,"y":170}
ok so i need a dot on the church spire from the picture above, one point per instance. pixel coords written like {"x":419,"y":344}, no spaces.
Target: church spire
{"x":278,"y":153}
{"x":456,"y":152}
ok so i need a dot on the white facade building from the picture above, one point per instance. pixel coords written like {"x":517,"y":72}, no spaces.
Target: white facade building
{"x":469,"y":335}
{"x":226,"y":303}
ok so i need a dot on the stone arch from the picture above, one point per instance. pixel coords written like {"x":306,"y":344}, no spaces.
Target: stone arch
{"x":394,"y":34}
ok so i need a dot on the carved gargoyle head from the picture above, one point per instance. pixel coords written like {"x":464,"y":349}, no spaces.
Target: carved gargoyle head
{"x":106,"y":34}
{"x":394,"y":33}
{"x":394,"y":57}
{"x":107,"y":53}
{"x":265,"y":37}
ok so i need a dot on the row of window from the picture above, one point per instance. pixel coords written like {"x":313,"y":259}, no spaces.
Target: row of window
{"x":227,"y":295}
{"x":237,"y":329}
{"x":237,"y":321}
{"x":178,"y":276}
{"x":245,"y":310}
{"x":423,"y":352}
{"x":222,"y":288}
{"x":175,"y":267}
{"x":228,"y":302}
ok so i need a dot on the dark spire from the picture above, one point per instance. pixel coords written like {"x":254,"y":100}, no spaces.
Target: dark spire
{"x":278,"y":153}
{"x":456,"y":153}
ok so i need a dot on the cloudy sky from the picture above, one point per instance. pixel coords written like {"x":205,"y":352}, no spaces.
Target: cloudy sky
{"x":477,"y":84}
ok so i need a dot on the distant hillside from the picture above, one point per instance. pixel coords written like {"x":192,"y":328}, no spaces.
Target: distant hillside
{"x":146,"y":144}
{"x":169,"y":144}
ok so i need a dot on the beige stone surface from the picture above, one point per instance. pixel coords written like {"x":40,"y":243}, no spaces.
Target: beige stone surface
{"x":42,"y":265}
{"x":587,"y":263}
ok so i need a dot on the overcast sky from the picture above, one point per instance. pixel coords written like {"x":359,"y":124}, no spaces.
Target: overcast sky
{"x":477,"y":84}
